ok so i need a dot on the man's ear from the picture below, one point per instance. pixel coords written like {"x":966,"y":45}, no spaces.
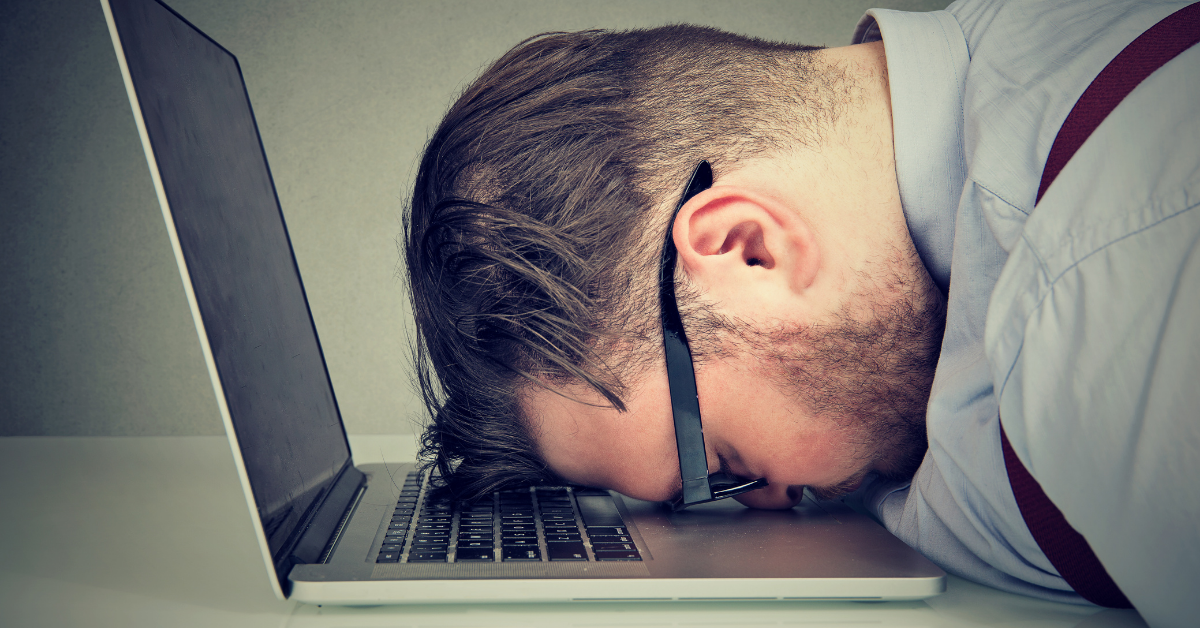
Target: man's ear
{"x":738,"y":245}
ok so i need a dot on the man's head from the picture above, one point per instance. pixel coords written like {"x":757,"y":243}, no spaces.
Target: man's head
{"x":533,"y":240}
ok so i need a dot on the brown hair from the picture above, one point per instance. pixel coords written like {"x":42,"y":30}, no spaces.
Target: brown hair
{"x":531,"y":239}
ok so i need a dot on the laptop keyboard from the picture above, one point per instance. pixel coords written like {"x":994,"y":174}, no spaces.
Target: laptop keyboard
{"x":531,"y":524}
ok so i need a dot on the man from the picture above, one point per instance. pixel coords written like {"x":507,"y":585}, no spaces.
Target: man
{"x":865,"y":287}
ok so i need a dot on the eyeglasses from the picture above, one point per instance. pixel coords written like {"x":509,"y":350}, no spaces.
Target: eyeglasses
{"x":698,"y":486}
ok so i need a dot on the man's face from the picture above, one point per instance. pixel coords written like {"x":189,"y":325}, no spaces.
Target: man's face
{"x":750,"y":430}
{"x":817,"y":406}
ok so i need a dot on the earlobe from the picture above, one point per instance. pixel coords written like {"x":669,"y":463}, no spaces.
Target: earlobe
{"x":731,"y":239}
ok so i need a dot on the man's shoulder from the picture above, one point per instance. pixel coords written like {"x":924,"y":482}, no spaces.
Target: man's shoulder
{"x":1092,"y":337}
{"x":1124,"y":206}
{"x":1030,"y":62}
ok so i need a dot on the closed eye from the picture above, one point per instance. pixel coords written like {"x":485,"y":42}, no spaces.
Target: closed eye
{"x":724,"y":469}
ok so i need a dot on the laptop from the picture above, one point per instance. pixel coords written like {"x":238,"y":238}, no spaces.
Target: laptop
{"x":331,"y":532}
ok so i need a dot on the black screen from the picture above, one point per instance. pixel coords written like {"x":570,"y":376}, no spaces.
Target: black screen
{"x":240,"y":261}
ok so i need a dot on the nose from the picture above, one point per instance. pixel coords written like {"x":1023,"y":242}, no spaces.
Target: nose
{"x":773,"y":497}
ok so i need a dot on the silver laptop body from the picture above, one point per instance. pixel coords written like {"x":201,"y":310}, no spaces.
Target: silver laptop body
{"x":334,"y":533}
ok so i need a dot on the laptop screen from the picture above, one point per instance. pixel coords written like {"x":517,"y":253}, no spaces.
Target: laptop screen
{"x":239,"y":258}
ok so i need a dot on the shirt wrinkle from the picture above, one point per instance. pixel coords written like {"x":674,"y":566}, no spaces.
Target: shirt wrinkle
{"x":1081,"y":277}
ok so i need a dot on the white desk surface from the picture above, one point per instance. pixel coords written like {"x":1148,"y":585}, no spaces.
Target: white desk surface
{"x":153,"y":531}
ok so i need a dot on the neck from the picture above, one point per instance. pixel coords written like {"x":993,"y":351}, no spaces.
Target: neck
{"x":842,"y":186}
{"x":847,"y":183}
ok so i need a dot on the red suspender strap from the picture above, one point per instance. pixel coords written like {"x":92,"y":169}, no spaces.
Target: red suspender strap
{"x":1151,"y":50}
{"x":1066,"y":549}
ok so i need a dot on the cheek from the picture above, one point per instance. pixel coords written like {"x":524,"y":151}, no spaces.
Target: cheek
{"x":772,"y":437}
{"x":810,"y":457}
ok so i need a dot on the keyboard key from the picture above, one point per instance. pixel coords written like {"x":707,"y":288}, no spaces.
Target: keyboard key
{"x":621,"y":555}
{"x":569,"y":525}
{"x":474,"y":554}
{"x":522,"y":554}
{"x":614,"y":547}
{"x":474,"y":536}
{"x":552,"y":517}
{"x":610,"y":539}
{"x":599,"y":511}
{"x":480,"y":543}
{"x":392,"y":547}
{"x":519,"y":534}
{"x":566,"y":551}
{"x":556,"y":538}
{"x":518,"y":527}
{"x":607,"y":531}
{"x":427,"y":557}
{"x":388,"y":557}
{"x":519,"y":542}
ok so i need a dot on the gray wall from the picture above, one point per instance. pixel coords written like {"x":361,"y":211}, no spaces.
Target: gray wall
{"x":95,"y":333}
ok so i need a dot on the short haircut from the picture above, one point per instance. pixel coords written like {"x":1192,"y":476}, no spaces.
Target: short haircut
{"x":539,"y":208}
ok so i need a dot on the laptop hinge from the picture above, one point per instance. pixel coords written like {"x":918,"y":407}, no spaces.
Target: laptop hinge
{"x":337,"y":534}
{"x":328,"y":518}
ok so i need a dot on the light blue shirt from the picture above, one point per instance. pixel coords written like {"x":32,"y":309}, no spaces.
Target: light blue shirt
{"x":1079,"y":322}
